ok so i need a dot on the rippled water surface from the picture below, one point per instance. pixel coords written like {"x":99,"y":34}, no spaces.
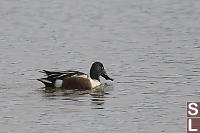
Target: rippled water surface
{"x":150,"y":47}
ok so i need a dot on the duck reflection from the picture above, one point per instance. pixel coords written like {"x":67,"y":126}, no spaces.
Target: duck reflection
{"x":99,"y":95}
{"x":96,"y":96}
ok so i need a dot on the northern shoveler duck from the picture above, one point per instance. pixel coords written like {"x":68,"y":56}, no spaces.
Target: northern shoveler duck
{"x":76,"y":79}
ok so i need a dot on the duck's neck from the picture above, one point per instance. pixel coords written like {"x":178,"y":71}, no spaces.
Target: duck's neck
{"x":95,"y":76}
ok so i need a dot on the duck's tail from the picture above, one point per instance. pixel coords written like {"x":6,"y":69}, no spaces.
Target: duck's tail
{"x":46,"y":82}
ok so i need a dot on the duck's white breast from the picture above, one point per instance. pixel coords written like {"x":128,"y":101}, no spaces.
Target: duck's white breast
{"x":94,"y":82}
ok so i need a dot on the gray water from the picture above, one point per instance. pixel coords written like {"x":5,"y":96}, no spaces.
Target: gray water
{"x":150,"y":47}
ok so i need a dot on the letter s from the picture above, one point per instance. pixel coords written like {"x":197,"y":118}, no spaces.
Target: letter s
{"x":193,"y":108}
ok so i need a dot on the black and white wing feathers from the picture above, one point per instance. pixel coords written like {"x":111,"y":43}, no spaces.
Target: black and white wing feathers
{"x":63,"y":74}
{"x":52,"y":76}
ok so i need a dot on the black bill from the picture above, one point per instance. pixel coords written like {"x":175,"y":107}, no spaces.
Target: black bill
{"x":105,"y":75}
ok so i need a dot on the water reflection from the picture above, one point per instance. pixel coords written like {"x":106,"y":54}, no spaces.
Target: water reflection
{"x":99,"y":95}
{"x":96,"y":96}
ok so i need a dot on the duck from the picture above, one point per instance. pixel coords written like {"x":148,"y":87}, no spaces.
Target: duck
{"x":74,"y":79}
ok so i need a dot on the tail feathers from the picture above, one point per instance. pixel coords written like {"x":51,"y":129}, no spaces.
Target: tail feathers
{"x":46,"y":82}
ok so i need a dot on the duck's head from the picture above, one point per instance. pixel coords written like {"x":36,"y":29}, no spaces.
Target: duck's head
{"x":97,"y":70}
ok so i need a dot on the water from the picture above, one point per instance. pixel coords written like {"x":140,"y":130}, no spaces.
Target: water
{"x":151,"y":49}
